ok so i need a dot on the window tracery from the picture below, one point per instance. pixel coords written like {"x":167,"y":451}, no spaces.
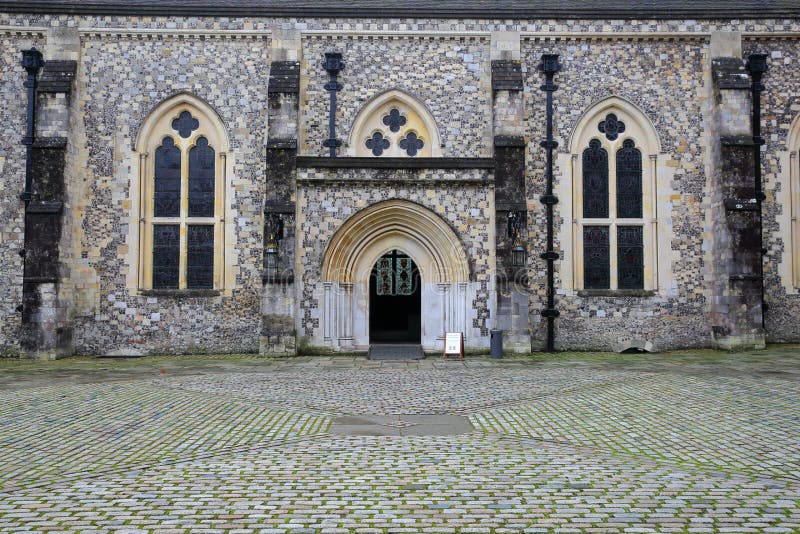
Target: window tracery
{"x":412,"y":144}
{"x":394,"y":124}
{"x":377,"y":143}
{"x":615,"y":222}
{"x":181,"y":229}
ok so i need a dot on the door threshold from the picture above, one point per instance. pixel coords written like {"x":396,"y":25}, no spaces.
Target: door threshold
{"x":395,"y":351}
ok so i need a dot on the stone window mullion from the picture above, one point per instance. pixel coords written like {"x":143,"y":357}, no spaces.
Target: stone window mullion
{"x":194,"y":217}
{"x":184,"y":212}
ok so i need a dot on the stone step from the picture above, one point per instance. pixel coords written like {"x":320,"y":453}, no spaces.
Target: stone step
{"x":395,"y":351}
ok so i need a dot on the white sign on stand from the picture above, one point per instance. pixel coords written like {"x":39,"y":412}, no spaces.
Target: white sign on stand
{"x":453,"y":344}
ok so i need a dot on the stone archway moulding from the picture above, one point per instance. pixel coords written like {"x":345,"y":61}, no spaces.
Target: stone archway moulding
{"x":365,"y":237}
{"x":788,"y":196}
{"x":416,"y":230}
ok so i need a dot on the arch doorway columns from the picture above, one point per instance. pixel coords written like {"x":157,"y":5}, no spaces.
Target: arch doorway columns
{"x":362,"y":240}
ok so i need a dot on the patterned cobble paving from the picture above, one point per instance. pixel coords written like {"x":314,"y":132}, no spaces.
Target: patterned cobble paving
{"x":51,"y":432}
{"x":388,"y":391}
{"x":571,"y":445}
{"x":479,"y":482}
{"x":721,"y":423}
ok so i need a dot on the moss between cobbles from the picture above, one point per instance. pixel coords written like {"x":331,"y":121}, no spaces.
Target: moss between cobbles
{"x":693,"y":357}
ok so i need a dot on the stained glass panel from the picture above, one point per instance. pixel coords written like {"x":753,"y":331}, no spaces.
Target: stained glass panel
{"x":629,"y":181}
{"x":200,"y":257}
{"x":385,"y":274}
{"x":596,"y":257}
{"x":595,"y":181}
{"x":404,"y":279}
{"x":166,"y":256}
{"x":630,"y":257}
{"x":167,"y":186}
{"x":201,"y":179}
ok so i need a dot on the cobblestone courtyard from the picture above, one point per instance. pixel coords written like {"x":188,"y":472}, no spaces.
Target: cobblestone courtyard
{"x":681,"y":442}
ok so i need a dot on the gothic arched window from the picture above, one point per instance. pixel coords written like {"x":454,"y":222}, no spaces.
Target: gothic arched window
{"x":394,"y":124}
{"x":615,"y":223}
{"x":182,"y":172}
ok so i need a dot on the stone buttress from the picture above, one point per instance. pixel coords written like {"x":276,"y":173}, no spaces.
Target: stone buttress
{"x":46,"y":324}
{"x":278,"y":337}
{"x":736,"y":291}
{"x":510,"y":195}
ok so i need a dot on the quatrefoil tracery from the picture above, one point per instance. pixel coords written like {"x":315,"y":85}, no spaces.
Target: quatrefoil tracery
{"x":612,"y":127}
{"x":394,"y":120}
{"x":381,"y":140}
{"x":377,"y":143}
{"x":185,"y":124}
{"x":411,"y":144}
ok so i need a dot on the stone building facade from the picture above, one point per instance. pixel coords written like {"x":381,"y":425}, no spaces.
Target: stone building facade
{"x":256,"y":177}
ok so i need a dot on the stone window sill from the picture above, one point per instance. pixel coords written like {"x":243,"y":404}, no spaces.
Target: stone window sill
{"x":639,"y":293}
{"x":181,"y":293}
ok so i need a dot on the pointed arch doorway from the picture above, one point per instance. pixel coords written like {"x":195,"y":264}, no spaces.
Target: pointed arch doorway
{"x":395,"y":303}
{"x":351,"y":257}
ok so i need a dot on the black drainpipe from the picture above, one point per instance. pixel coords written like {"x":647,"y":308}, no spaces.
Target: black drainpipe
{"x":550,"y":66}
{"x":757,"y":66}
{"x":31,"y":62}
{"x":333,"y":64}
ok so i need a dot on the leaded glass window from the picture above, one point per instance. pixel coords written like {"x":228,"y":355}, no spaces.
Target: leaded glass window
{"x":200,"y":257}
{"x":167,"y":186}
{"x":411,"y":144}
{"x":394,"y":275}
{"x":185,"y":124}
{"x":630,"y":257}
{"x":166,"y":256}
{"x":629,"y":181}
{"x":596,"y":257}
{"x":181,"y":219}
{"x":615,"y":166}
{"x":394,"y":120}
{"x":595,"y":181}
{"x":377,"y":143}
{"x":202,"y":181}
{"x":404,"y":279}
{"x":385,"y":273}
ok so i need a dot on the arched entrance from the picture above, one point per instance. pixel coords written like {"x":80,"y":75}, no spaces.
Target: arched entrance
{"x":351,"y":257}
{"x":395,"y":300}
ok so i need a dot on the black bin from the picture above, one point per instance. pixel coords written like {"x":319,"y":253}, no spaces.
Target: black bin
{"x":496,"y":344}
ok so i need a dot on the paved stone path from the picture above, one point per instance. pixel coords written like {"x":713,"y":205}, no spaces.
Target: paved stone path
{"x":682,"y":442}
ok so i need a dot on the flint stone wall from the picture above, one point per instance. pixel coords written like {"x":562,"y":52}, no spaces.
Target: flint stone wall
{"x":13,"y":105}
{"x":120,"y":80}
{"x":665,"y":80}
{"x":780,"y":106}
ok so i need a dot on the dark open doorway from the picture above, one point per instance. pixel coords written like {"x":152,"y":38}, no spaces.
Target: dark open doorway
{"x":394,"y":300}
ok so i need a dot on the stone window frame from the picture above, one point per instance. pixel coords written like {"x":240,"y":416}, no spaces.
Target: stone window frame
{"x":154,"y":129}
{"x":641,"y":131}
{"x":369,"y":120}
{"x":788,"y":196}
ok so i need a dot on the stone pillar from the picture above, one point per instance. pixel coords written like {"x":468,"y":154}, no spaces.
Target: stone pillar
{"x":736,"y":298}
{"x":278,"y":332}
{"x":46,"y":318}
{"x":509,"y":154}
